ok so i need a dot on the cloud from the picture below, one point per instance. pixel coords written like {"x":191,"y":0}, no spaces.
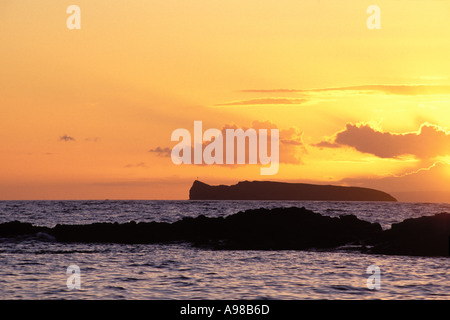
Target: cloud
{"x":410,"y":90}
{"x":428,"y":142}
{"x":290,"y":141}
{"x":162,"y":152}
{"x":424,"y":183}
{"x":326,"y":144}
{"x":94,"y":139}
{"x":66,"y":138}
{"x":262,"y":101}
{"x":137,"y":165}
{"x":311,"y":96}
{"x":291,"y":144}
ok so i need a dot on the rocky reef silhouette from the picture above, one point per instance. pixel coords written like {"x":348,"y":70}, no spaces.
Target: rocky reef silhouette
{"x":424,"y":236}
{"x":269,"y":190}
{"x":260,"y":229}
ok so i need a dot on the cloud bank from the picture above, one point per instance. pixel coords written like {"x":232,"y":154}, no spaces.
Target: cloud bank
{"x":428,"y":142}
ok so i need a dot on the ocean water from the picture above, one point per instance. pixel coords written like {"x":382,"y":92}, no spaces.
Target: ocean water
{"x":35,"y":268}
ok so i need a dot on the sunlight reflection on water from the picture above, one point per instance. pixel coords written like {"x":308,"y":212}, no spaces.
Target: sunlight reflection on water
{"x":37,"y":270}
{"x":113,"y":271}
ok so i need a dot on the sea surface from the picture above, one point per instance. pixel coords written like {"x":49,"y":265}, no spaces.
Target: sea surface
{"x":36,"y":268}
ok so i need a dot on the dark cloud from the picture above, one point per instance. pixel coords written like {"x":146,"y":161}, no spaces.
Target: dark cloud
{"x":429,"y":141}
{"x":66,"y":138}
{"x":162,"y":152}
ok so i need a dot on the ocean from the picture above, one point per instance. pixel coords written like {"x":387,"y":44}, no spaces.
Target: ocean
{"x":36,"y":267}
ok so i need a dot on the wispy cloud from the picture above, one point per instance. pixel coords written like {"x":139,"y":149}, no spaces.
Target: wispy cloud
{"x":137,"y":165}
{"x":264,"y":101}
{"x":407,"y":89}
{"x":94,"y":139}
{"x":423,"y":183}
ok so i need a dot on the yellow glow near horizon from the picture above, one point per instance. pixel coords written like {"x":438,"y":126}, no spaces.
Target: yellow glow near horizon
{"x":138,"y":70}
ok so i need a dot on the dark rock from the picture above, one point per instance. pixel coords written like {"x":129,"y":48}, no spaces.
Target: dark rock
{"x":292,"y":229}
{"x":424,"y":236}
{"x":268,"y":190}
{"x":263,"y":229}
{"x":282,"y":228}
{"x":17,"y":228}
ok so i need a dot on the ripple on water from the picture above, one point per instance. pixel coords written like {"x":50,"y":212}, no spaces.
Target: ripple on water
{"x":37,"y":270}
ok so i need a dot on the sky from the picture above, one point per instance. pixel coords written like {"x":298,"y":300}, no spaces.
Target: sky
{"x":88,"y":113}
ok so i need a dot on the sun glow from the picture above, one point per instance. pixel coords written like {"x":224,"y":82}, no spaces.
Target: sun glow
{"x":118,"y":84}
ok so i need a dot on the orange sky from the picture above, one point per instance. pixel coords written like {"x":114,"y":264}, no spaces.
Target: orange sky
{"x":85,"y":112}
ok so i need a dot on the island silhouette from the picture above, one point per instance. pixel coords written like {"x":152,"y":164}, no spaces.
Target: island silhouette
{"x":270,"y":190}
